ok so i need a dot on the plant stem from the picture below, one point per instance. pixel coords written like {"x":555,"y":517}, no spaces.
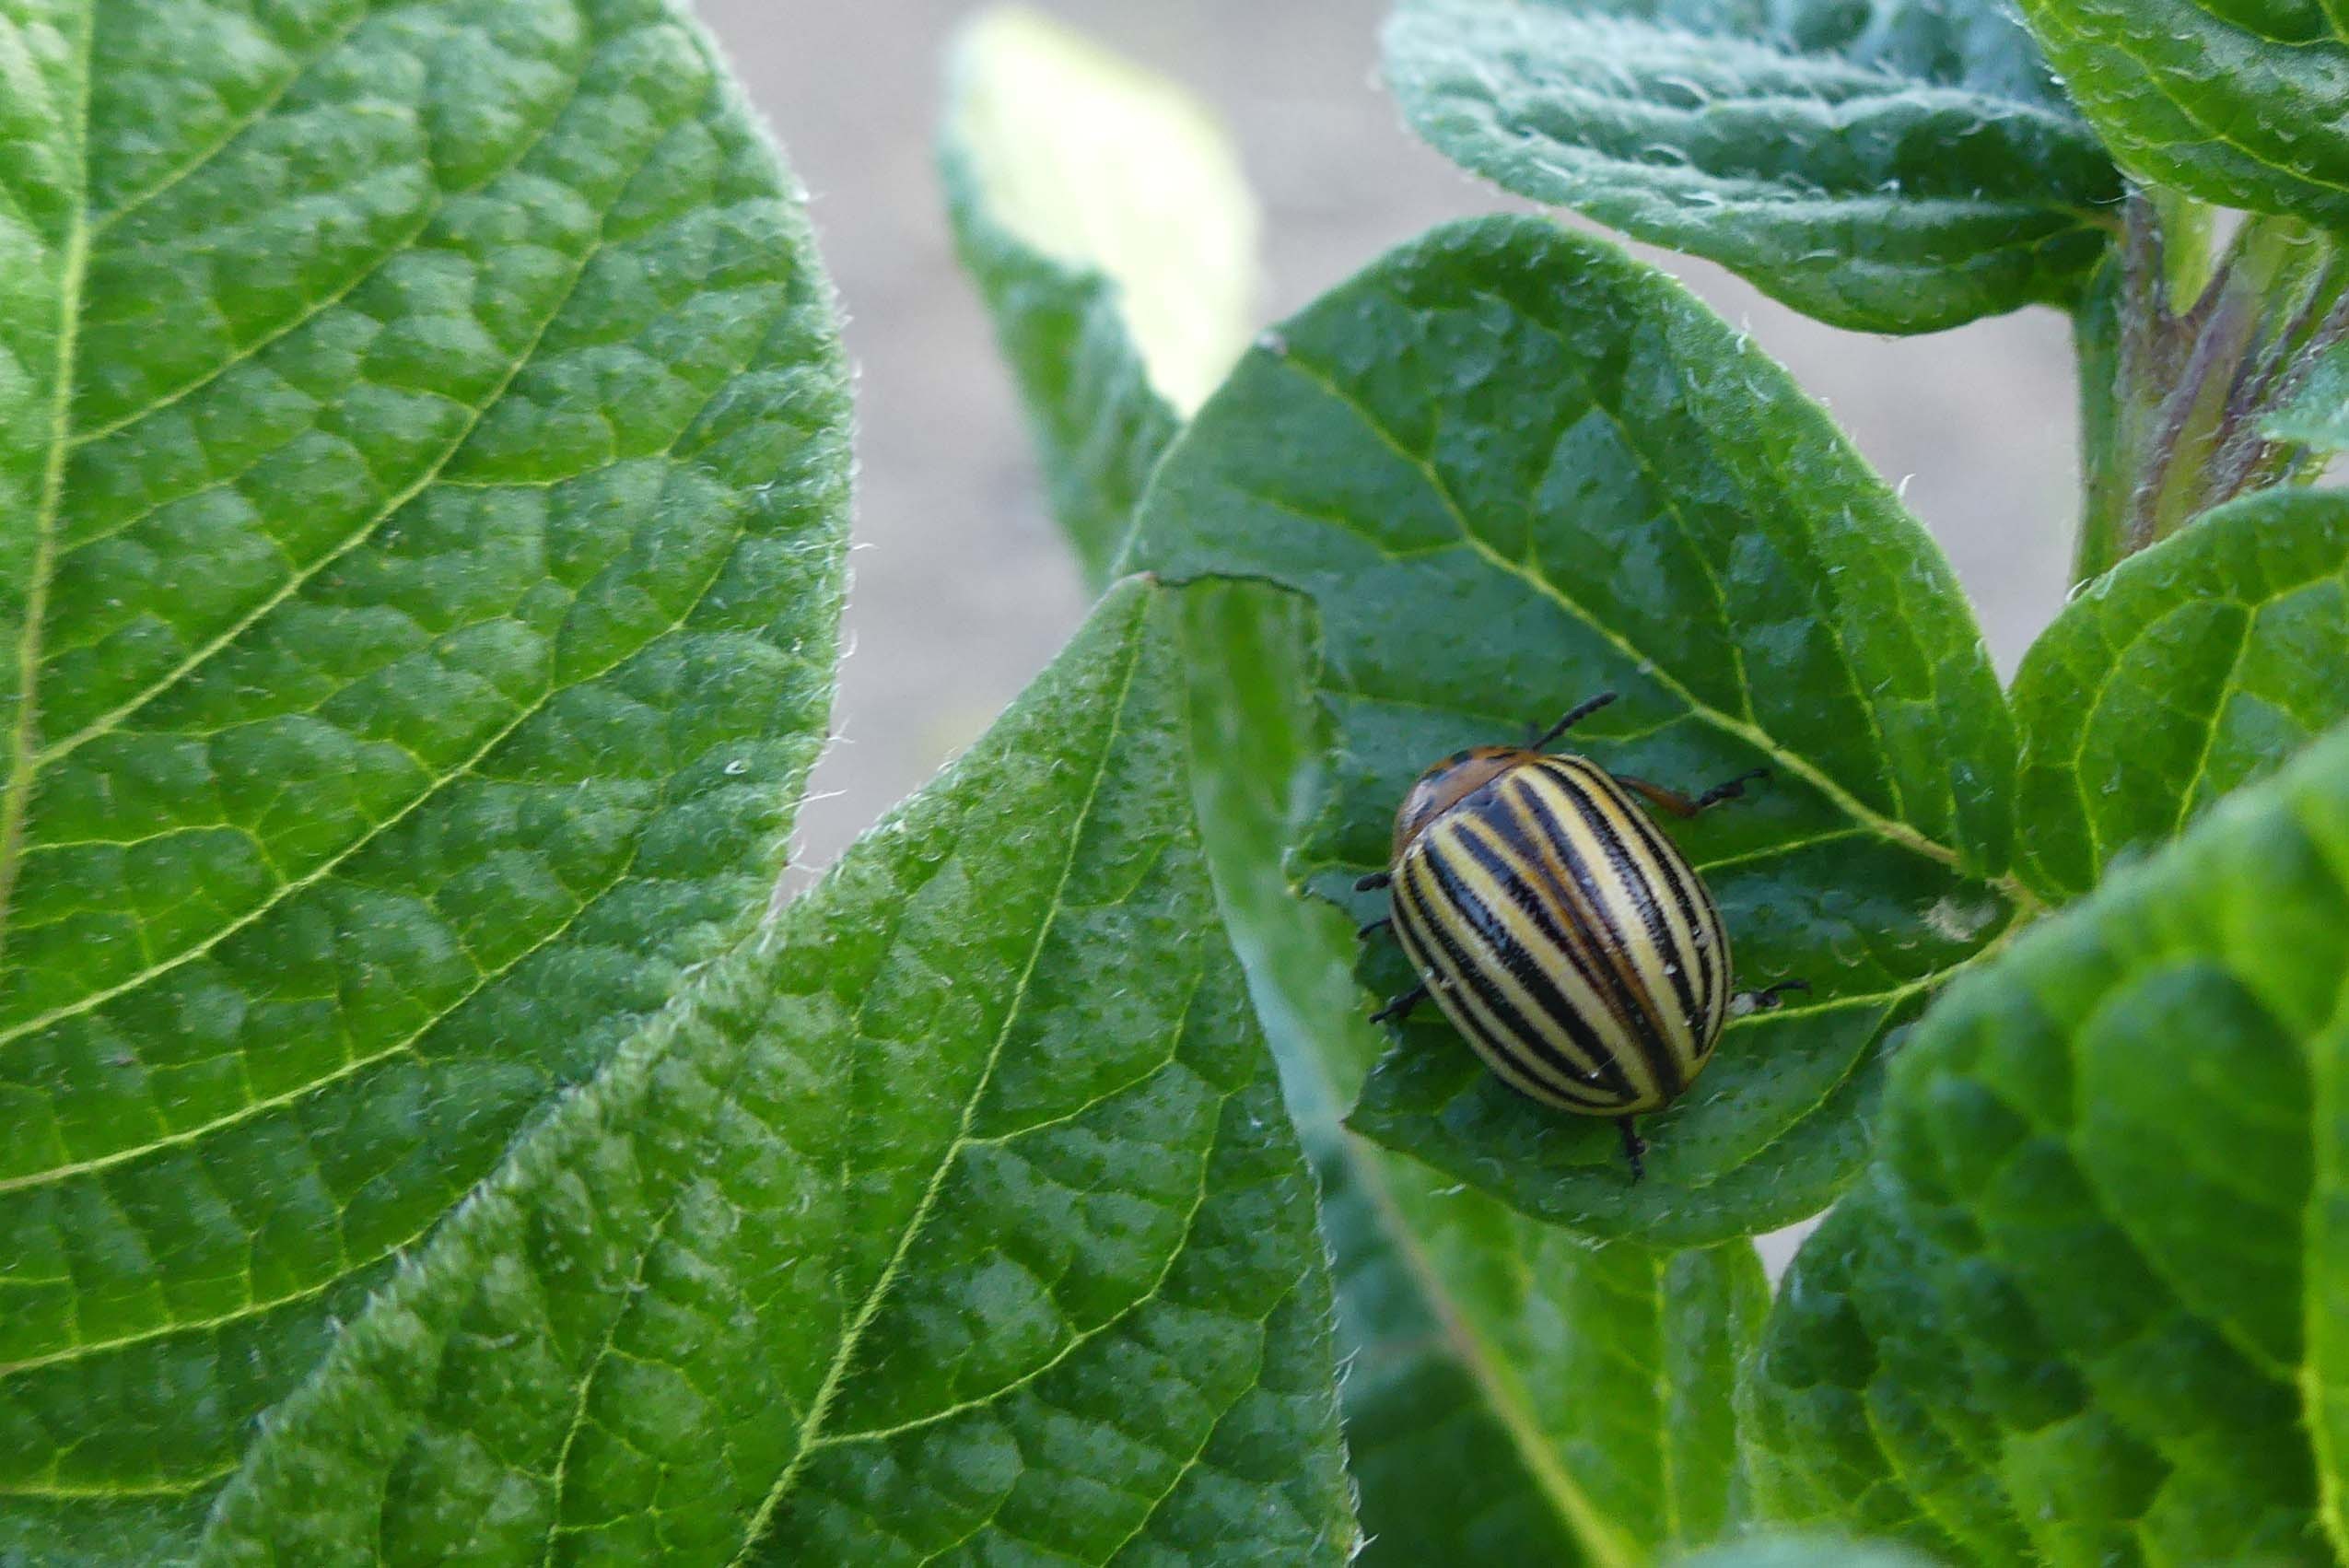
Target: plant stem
{"x":2172,"y":401}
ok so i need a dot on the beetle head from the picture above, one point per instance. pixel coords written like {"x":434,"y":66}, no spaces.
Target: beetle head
{"x":1448,"y":783}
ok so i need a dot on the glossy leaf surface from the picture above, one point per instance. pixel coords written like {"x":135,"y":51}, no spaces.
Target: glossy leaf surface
{"x":2244,"y":103}
{"x":2195,"y":666}
{"x":1900,"y":166}
{"x":1463,"y":1326}
{"x":1509,"y":467}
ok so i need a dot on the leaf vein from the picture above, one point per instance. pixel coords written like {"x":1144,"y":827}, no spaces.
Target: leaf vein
{"x":811,"y":1430}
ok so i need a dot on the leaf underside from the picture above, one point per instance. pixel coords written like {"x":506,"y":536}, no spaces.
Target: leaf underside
{"x":422,"y":535}
{"x":859,"y":1252}
{"x":2089,"y":1307}
{"x":1895,"y":167}
{"x":1510,"y":468}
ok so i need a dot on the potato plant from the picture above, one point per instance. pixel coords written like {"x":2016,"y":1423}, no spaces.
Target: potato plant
{"x":424,"y":491}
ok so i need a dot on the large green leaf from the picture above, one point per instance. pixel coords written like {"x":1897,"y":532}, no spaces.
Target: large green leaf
{"x":1509,"y":467}
{"x":2194,"y":666}
{"x":2076,"y":1306}
{"x":425,"y":563}
{"x":957,"y":1215}
{"x":2244,"y":103}
{"x":1900,"y":166}
{"x":1102,"y":214}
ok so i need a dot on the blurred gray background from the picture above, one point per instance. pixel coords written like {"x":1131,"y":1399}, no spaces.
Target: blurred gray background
{"x":962,"y":589}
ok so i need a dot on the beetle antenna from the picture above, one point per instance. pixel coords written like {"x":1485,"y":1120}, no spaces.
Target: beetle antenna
{"x":1574,"y":716}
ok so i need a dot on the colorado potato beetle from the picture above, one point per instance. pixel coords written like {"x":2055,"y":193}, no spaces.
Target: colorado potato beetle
{"x":1567,"y":940}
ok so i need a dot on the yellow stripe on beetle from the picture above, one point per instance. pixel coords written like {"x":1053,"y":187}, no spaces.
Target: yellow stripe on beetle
{"x":1574,"y":949}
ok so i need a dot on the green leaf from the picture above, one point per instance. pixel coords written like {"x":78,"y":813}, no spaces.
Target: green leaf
{"x":958,"y":1214}
{"x":1102,"y":214}
{"x":1439,"y":1475}
{"x":2244,"y":103}
{"x":2316,"y":414}
{"x":1897,"y":167}
{"x":1512,"y":1393}
{"x":1804,"y":1552}
{"x":1509,"y":467}
{"x":1855,"y":1414}
{"x":2196,"y":665}
{"x":1485,"y":1344}
{"x":2075,"y":1303}
{"x":1574,"y":1396}
{"x":423,"y":560}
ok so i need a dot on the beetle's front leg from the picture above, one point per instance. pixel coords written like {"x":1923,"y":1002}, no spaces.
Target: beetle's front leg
{"x":1399,"y":1010}
{"x":1683,"y":805}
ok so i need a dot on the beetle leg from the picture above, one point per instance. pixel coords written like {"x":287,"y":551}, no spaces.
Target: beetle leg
{"x":1574,"y":716}
{"x":1733,"y":789}
{"x":1635,"y":1147}
{"x":1764,"y":999}
{"x":1369,"y":928}
{"x":1680,"y":804}
{"x":1373,"y":881}
{"x":1400,"y":1008}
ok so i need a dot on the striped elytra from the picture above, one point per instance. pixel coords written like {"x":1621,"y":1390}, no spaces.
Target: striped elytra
{"x":1565,"y":936}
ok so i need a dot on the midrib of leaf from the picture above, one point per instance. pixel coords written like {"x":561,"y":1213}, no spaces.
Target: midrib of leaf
{"x":1081,"y":1338}
{"x":2158,"y":79}
{"x":293,"y":585}
{"x":111,"y":1492}
{"x":2219,"y":711}
{"x":1487,"y":1368}
{"x":15,"y":796}
{"x":1892,"y":829}
{"x":811,"y":1430}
